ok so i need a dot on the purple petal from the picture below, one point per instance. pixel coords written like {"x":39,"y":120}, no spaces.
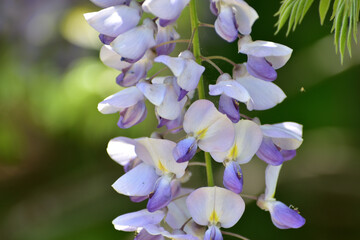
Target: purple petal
{"x":132,"y":75}
{"x":185,"y":150}
{"x":233,"y":179}
{"x":269,"y":153}
{"x":162,"y":194}
{"x":106,"y":39}
{"x":214,"y":10}
{"x":213,"y":233}
{"x":288,"y":154}
{"x":137,"y":199}
{"x":132,"y":115}
{"x":230,"y":107}
{"x":182,"y":94}
{"x":144,"y":235}
{"x":132,"y":164}
{"x":260,"y":68}
{"x":165,"y":22}
{"x":284,"y":217}
{"x":225,"y":24}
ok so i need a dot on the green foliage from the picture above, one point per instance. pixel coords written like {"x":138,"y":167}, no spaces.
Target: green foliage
{"x":345,"y":17}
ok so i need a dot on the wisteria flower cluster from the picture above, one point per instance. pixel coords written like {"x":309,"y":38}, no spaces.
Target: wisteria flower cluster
{"x":156,"y":167}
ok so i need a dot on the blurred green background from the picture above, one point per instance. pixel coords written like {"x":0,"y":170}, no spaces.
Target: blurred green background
{"x":55,"y":175}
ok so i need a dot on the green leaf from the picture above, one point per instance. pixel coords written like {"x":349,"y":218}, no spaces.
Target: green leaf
{"x":323,"y":9}
{"x":294,"y":11}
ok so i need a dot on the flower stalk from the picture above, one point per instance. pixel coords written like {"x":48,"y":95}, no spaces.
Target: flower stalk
{"x":201,"y":89}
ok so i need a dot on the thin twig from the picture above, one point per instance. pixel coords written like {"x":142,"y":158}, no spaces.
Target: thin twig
{"x":222,"y":58}
{"x":172,"y":41}
{"x":245,"y":116}
{"x":197,"y":164}
{"x":191,"y":38}
{"x":180,"y":197}
{"x":206,"y":25}
{"x":183,"y":226}
{"x":157,"y":73}
{"x":212,"y":64}
{"x":173,"y":129}
{"x":234,"y":235}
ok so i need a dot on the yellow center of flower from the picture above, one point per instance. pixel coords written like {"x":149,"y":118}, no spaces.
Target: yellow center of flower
{"x":214,"y":217}
{"x":201,"y":134}
{"x":161,"y":167}
{"x":233,"y":152}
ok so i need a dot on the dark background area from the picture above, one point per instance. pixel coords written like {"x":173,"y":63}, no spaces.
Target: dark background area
{"x":55,"y":175}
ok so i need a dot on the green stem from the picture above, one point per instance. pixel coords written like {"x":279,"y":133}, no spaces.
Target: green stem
{"x":201,"y":89}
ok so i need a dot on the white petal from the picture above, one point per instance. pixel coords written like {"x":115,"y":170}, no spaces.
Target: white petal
{"x":264,"y":95}
{"x":158,"y":152}
{"x":271,"y":177}
{"x":277,"y":54}
{"x":123,"y":99}
{"x":134,"y":43}
{"x":248,"y":137}
{"x":155,"y":93}
{"x":200,"y":115}
{"x":165,"y":9}
{"x":245,"y":16}
{"x":190,"y":76}
{"x":115,"y":20}
{"x":122,"y":150}
{"x":219,"y":136}
{"x":287,"y":135}
{"x":171,"y":108}
{"x":215,"y":205}
{"x":139,"y":181}
{"x":112,"y":59}
{"x":130,"y":222}
{"x":108,"y":3}
{"x":230,"y":88}
{"x":175,"y":64}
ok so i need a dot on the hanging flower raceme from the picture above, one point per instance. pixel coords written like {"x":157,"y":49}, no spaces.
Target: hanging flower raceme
{"x":282,"y":216}
{"x":248,"y":137}
{"x":155,"y":168}
{"x":154,"y":177}
{"x":215,"y":207}
{"x":280,"y":142}
{"x":264,"y":57}
{"x":233,"y":17}
{"x":207,"y":128}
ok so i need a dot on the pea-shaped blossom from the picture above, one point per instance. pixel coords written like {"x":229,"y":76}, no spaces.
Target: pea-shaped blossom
{"x":133,"y":44}
{"x":280,"y":142}
{"x":129,"y":103}
{"x":215,"y":207}
{"x":233,"y":16}
{"x":122,"y":151}
{"x":155,"y":175}
{"x":248,"y":137}
{"x":184,"y":67}
{"x":115,"y":20}
{"x":131,"y":73}
{"x":264,"y":57}
{"x":167,"y":106}
{"x":282,"y":216}
{"x":109,"y":3}
{"x":165,"y":34}
{"x":207,"y":128}
{"x":255,"y":93}
{"x":167,"y":10}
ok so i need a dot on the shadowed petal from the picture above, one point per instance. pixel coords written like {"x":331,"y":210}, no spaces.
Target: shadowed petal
{"x":165,"y":9}
{"x":139,"y":181}
{"x":225,"y":25}
{"x":230,"y":107}
{"x":260,"y":68}
{"x":269,"y":153}
{"x":213,"y":233}
{"x":132,"y":115}
{"x":233,"y":178}
{"x":109,"y":3}
{"x":162,"y":195}
{"x":130,"y":222}
{"x":284,"y":217}
{"x":185,"y":150}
